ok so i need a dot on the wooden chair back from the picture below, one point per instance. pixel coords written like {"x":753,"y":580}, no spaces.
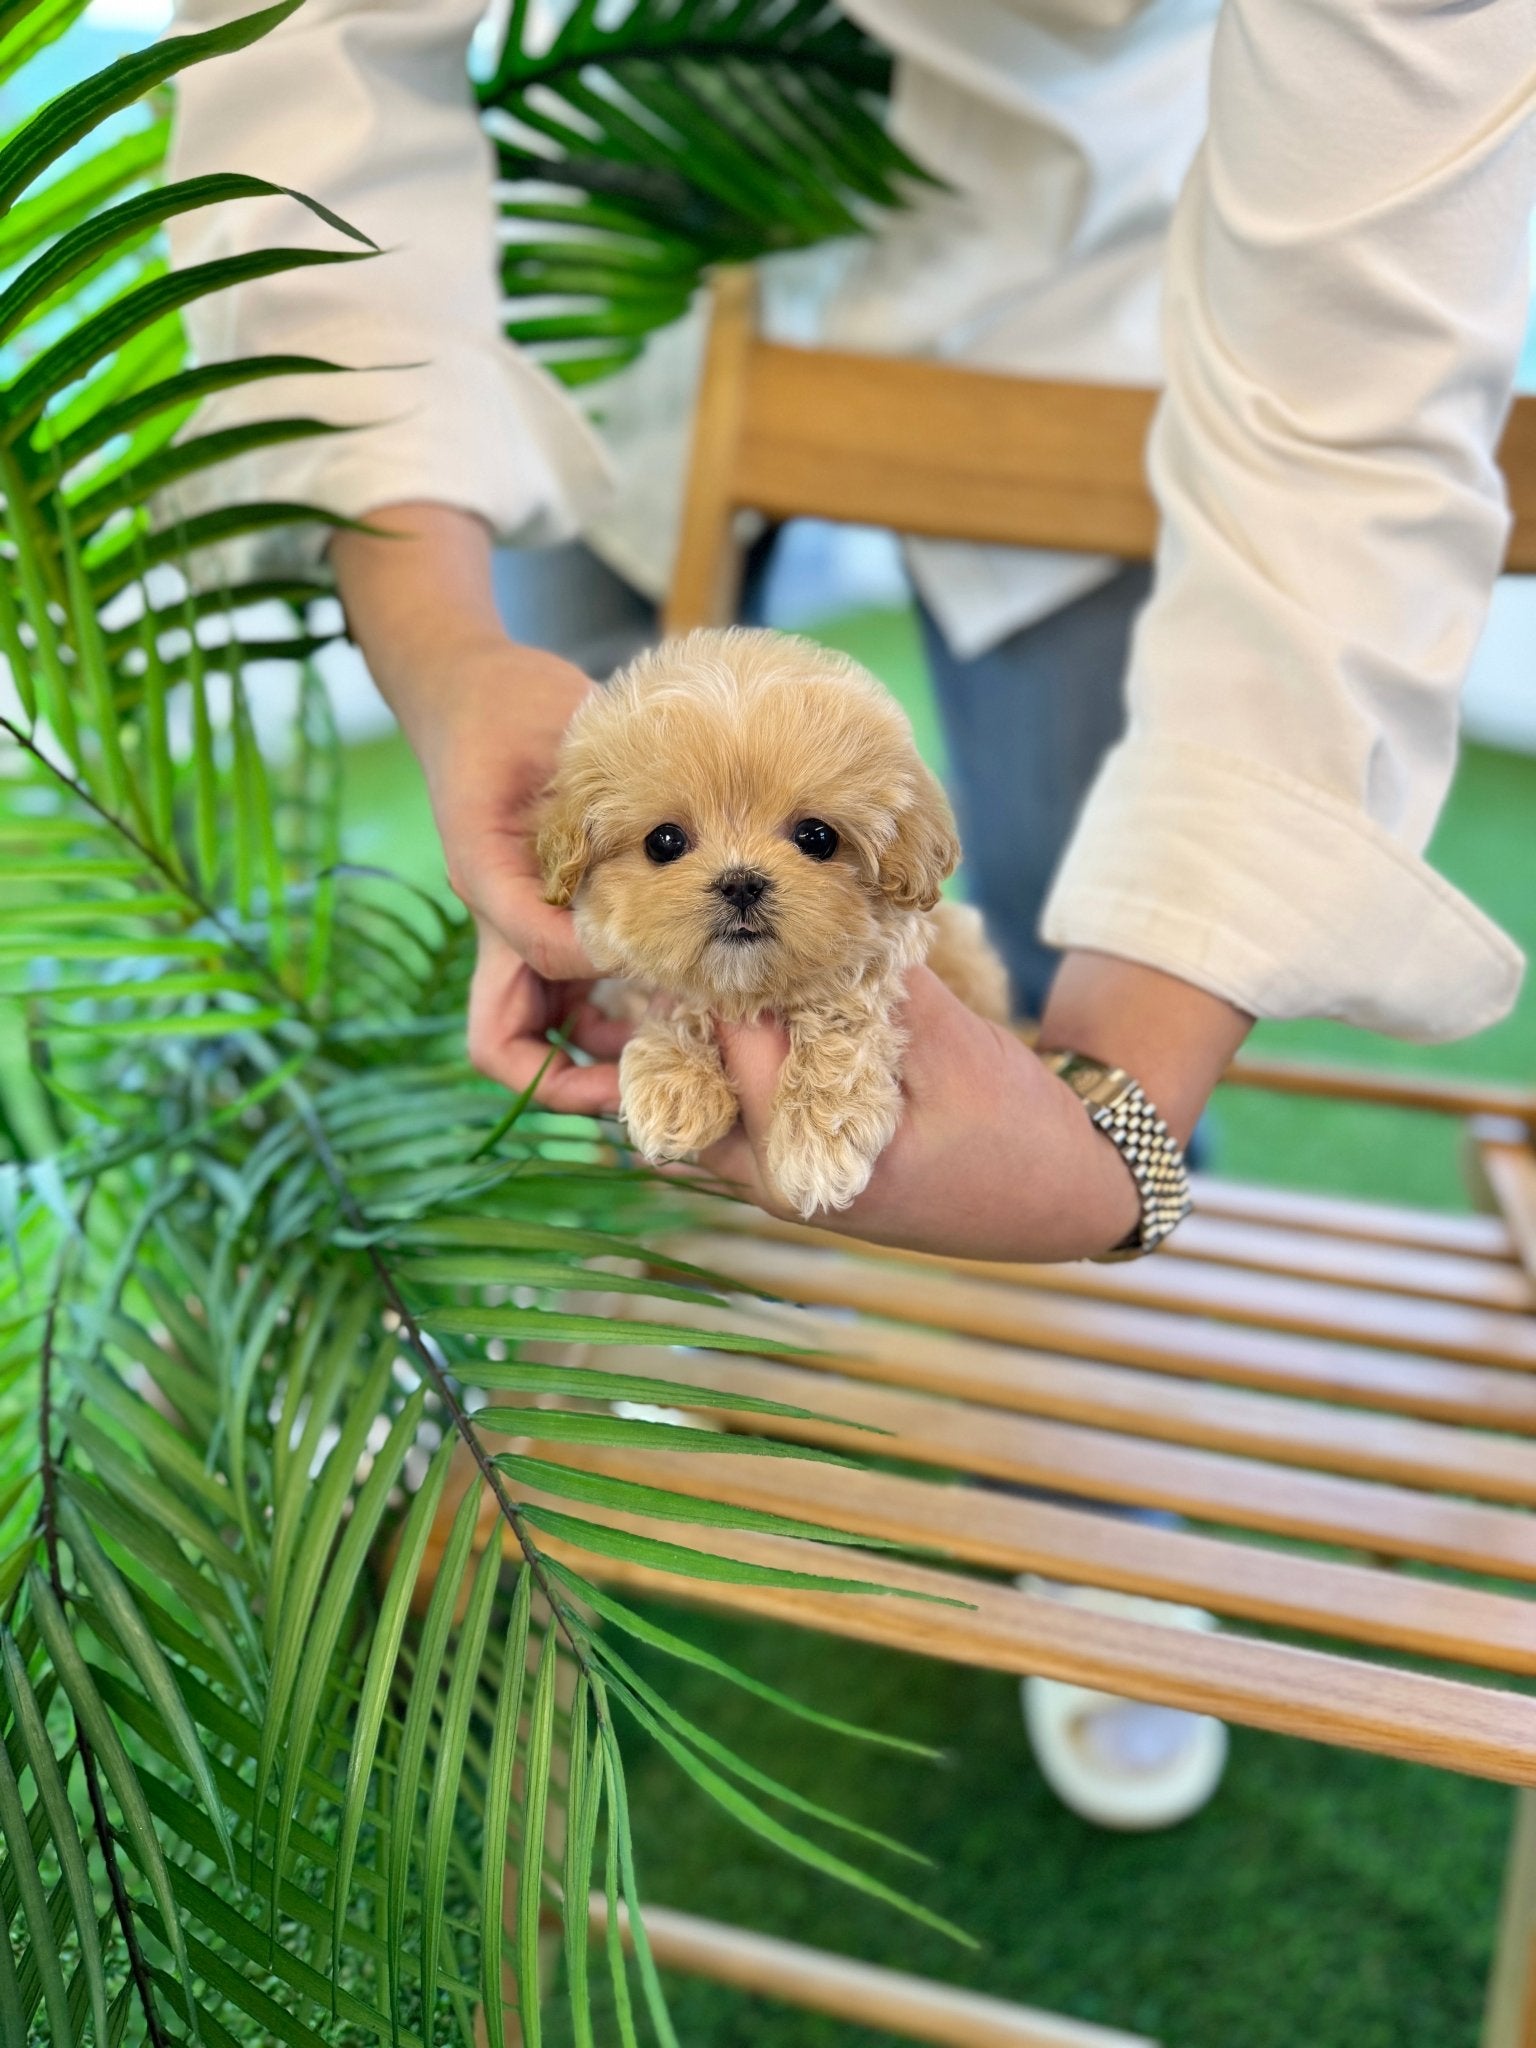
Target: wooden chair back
{"x":926,"y":448}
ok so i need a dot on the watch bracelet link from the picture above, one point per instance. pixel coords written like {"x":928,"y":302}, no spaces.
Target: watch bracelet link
{"x":1119,"y":1107}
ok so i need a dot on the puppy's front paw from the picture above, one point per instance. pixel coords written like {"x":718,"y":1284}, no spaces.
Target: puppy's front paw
{"x":822,"y":1148}
{"x":674,"y":1106}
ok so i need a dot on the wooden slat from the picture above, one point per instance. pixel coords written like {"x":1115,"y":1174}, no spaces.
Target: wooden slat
{"x":1436,"y":1095}
{"x":1006,"y":1532}
{"x":1264,"y":1301}
{"x":1343,"y":1216}
{"x":936,"y":1295}
{"x":1444,"y":1329}
{"x":1065,"y":1458}
{"x":926,"y":448}
{"x":1213,"y":1238}
{"x":1509,"y":2018}
{"x":1407,"y":1452}
{"x":1201,"y":1349}
{"x":1353,"y":1262}
{"x":1321,"y":1696}
{"x":1408,"y":1273}
{"x":861,"y":1992}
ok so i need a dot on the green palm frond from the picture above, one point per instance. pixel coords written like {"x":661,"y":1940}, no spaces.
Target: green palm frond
{"x":280,"y":1760}
{"x":649,"y":141}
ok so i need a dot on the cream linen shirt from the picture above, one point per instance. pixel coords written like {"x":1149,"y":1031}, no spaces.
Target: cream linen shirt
{"x":1344,"y":295}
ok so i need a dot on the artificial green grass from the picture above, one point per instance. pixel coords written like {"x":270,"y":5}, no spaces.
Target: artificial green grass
{"x":1323,"y":1900}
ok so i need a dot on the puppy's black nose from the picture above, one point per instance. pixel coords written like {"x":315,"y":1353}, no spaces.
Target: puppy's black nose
{"x":741,"y":887}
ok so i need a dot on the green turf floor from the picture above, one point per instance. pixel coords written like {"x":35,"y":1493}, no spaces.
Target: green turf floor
{"x":1323,"y":1900}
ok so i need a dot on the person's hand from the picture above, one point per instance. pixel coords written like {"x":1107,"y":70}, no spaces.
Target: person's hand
{"x":994,"y":1157}
{"x":488,"y":755}
{"x":484,"y":717}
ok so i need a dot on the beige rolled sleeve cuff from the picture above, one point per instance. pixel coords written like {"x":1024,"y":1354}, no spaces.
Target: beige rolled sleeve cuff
{"x":1276,"y":895}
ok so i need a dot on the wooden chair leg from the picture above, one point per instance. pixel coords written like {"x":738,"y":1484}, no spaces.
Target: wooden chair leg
{"x":706,"y":580}
{"x":1504,"y":1158}
{"x":1510,"y":2019}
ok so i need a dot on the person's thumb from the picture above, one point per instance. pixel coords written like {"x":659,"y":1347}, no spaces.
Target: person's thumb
{"x":538,"y":932}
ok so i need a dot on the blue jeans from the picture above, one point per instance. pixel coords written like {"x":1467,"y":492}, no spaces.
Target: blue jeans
{"x":1026,"y":725}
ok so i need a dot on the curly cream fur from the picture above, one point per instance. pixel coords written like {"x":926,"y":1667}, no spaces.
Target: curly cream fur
{"x":735,"y":737}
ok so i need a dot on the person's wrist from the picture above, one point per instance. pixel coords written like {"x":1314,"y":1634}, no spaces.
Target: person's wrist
{"x":1172,"y":1039}
{"x":420,"y":603}
{"x":1175,"y":1040}
{"x":1120,"y":1110}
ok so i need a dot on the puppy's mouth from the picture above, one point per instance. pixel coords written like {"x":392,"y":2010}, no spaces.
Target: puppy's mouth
{"x":744,"y":931}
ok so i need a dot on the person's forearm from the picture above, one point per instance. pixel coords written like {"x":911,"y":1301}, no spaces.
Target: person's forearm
{"x":484,"y":717}
{"x":1167,"y":1034}
{"x":419,"y":597}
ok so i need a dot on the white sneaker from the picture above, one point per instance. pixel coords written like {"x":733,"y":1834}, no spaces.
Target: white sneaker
{"x":1121,"y":1763}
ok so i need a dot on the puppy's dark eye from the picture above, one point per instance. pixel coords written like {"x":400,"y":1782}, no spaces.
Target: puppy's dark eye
{"x":814,"y":839}
{"x":667,"y":842}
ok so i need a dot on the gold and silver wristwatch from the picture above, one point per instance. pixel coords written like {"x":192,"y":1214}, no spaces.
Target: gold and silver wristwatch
{"x":1122,"y":1112}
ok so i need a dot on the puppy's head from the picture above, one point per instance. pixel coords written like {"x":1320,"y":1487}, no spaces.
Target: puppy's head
{"x":740,"y":818}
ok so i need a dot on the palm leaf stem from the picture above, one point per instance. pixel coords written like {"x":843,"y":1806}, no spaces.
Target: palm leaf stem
{"x":860,"y":68}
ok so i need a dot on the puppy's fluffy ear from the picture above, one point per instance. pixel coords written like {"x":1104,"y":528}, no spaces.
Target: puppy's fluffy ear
{"x":925,"y":850}
{"x":564,"y":845}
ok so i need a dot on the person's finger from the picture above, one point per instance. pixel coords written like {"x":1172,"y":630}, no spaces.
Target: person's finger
{"x":580,"y":1091}
{"x":597,"y":1033}
{"x":729,"y":1165}
{"x":505,"y":1004}
{"x":546,"y":938}
{"x":507,"y":999}
{"x":510,"y":1011}
{"x":557,"y":1082}
{"x":751,"y":1055}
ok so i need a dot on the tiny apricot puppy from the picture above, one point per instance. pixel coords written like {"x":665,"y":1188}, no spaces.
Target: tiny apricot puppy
{"x":741,"y":823}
